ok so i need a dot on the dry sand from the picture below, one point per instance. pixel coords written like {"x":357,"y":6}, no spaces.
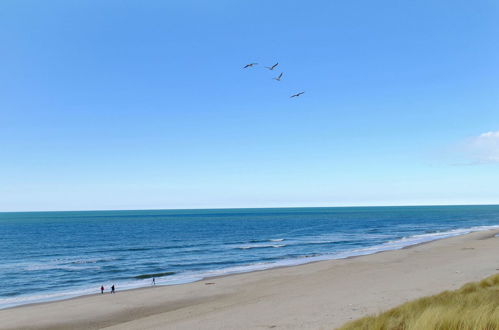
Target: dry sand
{"x":320,"y":295}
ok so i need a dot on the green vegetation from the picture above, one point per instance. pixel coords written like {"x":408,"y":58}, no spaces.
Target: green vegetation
{"x":475,"y":306}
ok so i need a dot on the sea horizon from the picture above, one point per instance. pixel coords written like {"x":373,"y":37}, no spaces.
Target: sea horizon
{"x":254,"y":208}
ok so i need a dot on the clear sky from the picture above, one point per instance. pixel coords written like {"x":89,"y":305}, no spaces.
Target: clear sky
{"x":144,"y":104}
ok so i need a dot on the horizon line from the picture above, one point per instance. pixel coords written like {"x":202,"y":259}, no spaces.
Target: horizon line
{"x":252,"y":208}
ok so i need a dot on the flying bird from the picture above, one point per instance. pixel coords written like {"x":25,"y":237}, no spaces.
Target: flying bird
{"x":273,"y":66}
{"x":278,"y":78}
{"x":296,"y":95}
{"x":249,"y":65}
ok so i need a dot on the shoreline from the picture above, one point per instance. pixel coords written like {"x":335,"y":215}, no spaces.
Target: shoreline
{"x":236,"y":296}
{"x":305,"y":261}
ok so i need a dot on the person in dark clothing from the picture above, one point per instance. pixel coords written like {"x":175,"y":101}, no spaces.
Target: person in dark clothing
{"x":102,"y":289}
{"x":112,"y":289}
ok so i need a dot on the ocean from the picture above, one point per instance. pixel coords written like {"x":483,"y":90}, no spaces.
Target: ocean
{"x":48,"y":256}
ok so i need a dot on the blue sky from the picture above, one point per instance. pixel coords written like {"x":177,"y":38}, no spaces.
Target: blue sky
{"x":144,"y":104}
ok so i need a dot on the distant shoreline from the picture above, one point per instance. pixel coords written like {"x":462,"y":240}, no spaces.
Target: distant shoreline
{"x":314,"y":295}
{"x":348,"y":254}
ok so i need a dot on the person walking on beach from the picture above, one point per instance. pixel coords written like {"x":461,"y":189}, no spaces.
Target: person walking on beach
{"x":112,"y":289}
{"x":153,"y":281}
{"x":102,"y":289}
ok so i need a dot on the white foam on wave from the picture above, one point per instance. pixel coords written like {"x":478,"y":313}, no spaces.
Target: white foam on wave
{"x":31,"y":299}
{"x":259,"y":246}
{"x":65,"y":264}
{"x":59,"y":263}
{"x":61,"y":267}
{"x":87,"y":260}
{"x":192,"y":276}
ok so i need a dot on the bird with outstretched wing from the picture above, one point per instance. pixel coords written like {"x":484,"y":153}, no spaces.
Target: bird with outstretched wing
{"x":249,"y":65}
{"x":273,"y":66}
{"x":296,"y":95}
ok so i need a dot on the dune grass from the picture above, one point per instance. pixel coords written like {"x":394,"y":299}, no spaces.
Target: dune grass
{"x":475,"y":306}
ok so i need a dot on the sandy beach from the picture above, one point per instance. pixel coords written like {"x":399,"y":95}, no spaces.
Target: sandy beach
{"x":321,"y":295}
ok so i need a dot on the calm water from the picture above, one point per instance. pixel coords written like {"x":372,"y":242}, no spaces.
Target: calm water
{"x":55,"y":255}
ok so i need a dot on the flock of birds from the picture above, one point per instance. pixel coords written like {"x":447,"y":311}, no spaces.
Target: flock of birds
{"x":278,"y":78}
